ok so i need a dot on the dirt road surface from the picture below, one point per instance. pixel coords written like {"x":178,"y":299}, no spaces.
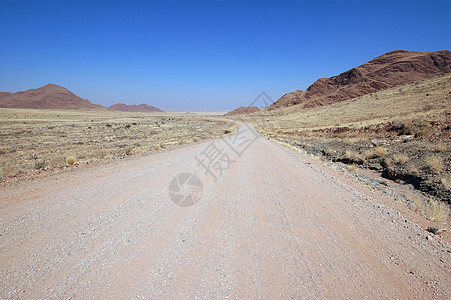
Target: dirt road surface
{"x":272,"y":225}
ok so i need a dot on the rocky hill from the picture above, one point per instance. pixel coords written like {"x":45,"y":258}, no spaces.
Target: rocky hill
{"x":391,"y":69}
{"x":50,"y":96}
{"x":134,"y":108}
{"x":242,"y":111}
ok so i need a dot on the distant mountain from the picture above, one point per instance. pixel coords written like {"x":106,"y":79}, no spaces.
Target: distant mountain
{"x":242,"y":111}
{"x":50,"y":96}
{"x":134,"y":108}
{"x":388,"y":70}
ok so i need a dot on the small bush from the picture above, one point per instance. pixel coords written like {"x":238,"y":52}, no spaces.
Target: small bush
{"x":441,"y":147}
{"x":400,"y":158}
{"x":379,"y":151}
{"x":40,"y":164}
{"x":70,"y":160}
{"x":434,"y":164}
{"x":330,"y":152}
{"x":369,"y":154}
{"x":418,"y":127}
{"x":388,"y":162}
{"x":437,"y":212}
{"x":446,"y":181}
{"x":349,"y":154}
{"x":413,"y":170}
{"x":353,"y":168}
{"x":351,"y":141}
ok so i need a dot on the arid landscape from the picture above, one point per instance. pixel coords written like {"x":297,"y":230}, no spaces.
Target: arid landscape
{"x":46,"y":140}
{"x":402,"y":133}
{"x":290,"y":201}
{"x":225,"y":150}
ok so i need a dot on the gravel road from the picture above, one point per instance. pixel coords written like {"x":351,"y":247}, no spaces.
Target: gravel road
{"x":268,"y":224}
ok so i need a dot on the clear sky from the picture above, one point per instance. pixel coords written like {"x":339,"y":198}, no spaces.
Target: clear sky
{"x":204,"y":55}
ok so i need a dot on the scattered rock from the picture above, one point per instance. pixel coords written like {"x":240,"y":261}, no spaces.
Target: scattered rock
{"x":436,"y":230}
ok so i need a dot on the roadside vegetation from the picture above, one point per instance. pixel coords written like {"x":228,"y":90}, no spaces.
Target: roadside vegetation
{"x":45,"y":139}
{"x":403,"y":133}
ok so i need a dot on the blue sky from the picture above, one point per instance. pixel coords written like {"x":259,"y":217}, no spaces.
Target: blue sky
{"x":204,"y":55}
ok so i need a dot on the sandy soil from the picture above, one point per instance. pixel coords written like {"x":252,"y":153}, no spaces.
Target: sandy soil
{"x":272,"y":225}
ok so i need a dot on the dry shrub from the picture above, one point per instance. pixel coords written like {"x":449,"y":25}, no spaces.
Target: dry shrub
{"x":128,"y":150}
{"x":379,"y":151}
{"x":7,"y":168}
{"x":71,"y":160}
{"x":446,"y":181}
{"x":368,"y":154}
{"x":413,"y":170}
{"x":353,"y":168}
{"x":434,"y":210}
{"x":388,"y":162}
{"x":441,"y":147}
{"x":418,"y":127}
{"x":56,"y":161}
{"x":351,"y":141}
{"x":375,"y":152}
{"x":330,"y":151}
{"x":352,"y":155}
{"x":40,"y":164}
{"x":400,"y":158}
{"x":438,"y":211}
{"x":434,"y":163}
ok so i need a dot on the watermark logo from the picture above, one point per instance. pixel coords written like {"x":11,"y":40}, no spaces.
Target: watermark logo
{"x":185,"y":189}
{"x":262,"y":101}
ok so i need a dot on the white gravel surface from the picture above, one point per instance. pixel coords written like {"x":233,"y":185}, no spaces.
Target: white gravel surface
{"x":272,"y":226}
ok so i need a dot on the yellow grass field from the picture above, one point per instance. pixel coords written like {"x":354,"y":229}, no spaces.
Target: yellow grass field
{"x":424,"y":99}
{"x":37,"y":139}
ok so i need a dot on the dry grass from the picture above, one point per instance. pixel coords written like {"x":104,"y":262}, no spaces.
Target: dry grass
{"x":363,"y":111}
{"x":438,"y":211}
{"x":351,"y":141}
{"x":412,"y":169}
{"x":434,"y":164}
{"x":446,"y":181}
{"x":353,"y":128}
{"x":388,"y":162}
{"x":368,"y":154}
{"x":379,"y":151}
{"x":375,"y":152}
{"x":441,"y":147}
{"x":353,"y":168}
{"x":400,"y":158}
{"x":352,"y":155}
{"x":37,"y":139}
{"x":435,"y":211}
{"x":417,"y":127}
{"x":330,"y":151}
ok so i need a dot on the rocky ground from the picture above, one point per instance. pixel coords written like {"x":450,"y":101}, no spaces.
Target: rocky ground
{"x":416,"y":152}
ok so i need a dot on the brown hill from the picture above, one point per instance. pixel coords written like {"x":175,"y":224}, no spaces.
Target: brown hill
{"x":391,"y":69}
{"x":50,"y":96}
{"x":134,"y":108}
{"x":242,"y":111}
